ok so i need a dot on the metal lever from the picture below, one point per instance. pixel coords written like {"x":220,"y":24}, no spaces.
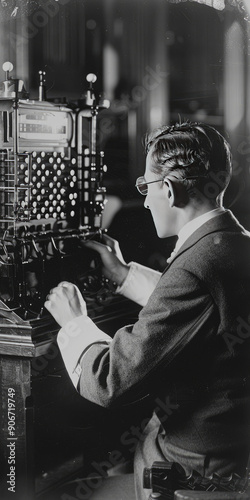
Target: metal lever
{"x":91,"y":78}
{"x":7,"y":67}
{"x":42,"y":86}
{"x":90,"y":97}
{"x":12,"y":87}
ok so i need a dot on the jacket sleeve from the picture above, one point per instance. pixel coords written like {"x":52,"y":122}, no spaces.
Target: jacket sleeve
{"x":179,"y":309}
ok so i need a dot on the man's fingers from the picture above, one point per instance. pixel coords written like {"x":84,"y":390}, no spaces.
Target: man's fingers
{"x":93,"y":244}
{"x":67,"y":285}
{"x":109,"y":241}
{"x":47,"y":305}
{"x":63,"y":288}
{"x":99,"y":247}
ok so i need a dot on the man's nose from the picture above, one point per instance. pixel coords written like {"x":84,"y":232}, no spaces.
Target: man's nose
{"x":146,"y":203}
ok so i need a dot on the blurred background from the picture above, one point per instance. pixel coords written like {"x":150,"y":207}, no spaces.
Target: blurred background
{"x":158,"y":61}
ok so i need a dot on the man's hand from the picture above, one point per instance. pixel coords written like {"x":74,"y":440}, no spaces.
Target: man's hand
{"x":65,"y":303}
{"x":114,"y":266}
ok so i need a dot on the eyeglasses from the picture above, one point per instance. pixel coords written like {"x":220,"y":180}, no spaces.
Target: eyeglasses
{"x":142,"y":185}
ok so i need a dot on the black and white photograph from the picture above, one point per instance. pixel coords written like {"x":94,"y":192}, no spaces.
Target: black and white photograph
{"x":125,"y":249}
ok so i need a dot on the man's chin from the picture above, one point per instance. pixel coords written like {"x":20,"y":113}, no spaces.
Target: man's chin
{"x":165,"y":234}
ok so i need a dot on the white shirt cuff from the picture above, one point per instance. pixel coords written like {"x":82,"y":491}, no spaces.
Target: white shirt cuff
{"x":74,"y":339}
{"x":139,"y":283}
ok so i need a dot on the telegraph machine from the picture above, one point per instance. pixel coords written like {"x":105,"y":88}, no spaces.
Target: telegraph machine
{"x":51,"y":200}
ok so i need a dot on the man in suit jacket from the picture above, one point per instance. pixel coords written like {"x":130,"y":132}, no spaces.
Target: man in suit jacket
{"x":190,"y":348}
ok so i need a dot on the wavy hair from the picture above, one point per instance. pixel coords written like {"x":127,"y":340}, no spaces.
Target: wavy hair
{"x":191,"y":150}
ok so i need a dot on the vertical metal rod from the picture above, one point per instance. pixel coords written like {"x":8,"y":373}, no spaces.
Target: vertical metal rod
{"x":15,"y":150}
{"x":79,"y":167}
{"x":29,"y":186}
{"x":93,"y":166}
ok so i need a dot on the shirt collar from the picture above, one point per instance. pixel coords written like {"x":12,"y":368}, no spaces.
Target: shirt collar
{"x":194,"y":224}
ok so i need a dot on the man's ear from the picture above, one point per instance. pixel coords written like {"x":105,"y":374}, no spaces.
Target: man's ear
{"x":171,"y":194}
{"x":176,"y":193}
